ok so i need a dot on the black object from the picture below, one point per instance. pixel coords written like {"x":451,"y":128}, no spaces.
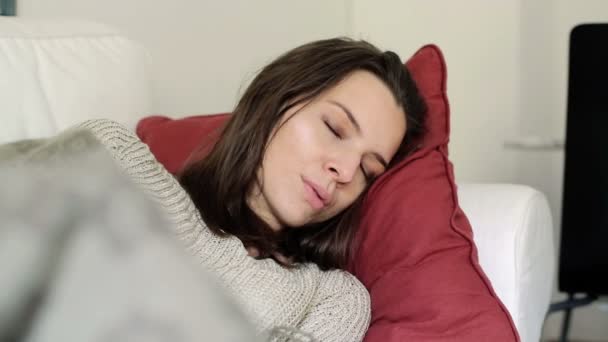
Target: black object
{"x":583,"y":258}
{"x":7,"y":7}
{"x":583,"y":261}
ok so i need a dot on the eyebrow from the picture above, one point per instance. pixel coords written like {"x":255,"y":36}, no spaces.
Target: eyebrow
{"x":352,"y":119}
{"x":348,"y":113}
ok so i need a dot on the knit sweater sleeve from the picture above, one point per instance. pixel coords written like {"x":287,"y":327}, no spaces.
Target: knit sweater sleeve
{"x":340,"y":310}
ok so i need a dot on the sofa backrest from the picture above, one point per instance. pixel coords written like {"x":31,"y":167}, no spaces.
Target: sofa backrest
{"x":54,"y":74}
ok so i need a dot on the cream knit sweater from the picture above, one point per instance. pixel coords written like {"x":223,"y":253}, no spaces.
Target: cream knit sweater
{"x":331,"y":306}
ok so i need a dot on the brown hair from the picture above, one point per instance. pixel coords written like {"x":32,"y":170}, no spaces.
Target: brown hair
{"x":219,"y":183}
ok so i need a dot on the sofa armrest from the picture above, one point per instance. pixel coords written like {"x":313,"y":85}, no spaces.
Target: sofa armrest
{"x":513,"y":231}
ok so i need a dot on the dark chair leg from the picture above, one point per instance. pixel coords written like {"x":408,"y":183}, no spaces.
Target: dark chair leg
{"x":566,"y":322}
{"x":567,"y":306}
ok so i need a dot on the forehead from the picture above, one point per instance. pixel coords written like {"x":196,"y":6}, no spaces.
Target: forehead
{"x":373,"y":106}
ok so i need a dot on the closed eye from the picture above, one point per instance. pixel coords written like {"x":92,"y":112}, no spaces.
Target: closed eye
{"x":333,"y":131}
{"x":369,"y":177}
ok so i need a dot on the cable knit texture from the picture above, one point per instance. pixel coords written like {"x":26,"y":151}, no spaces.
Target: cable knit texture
{"x":331,"y":306}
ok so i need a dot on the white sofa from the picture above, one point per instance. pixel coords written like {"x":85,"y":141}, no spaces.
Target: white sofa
{"x":54,"y":74}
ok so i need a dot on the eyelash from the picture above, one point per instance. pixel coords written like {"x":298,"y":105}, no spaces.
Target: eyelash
{"x":333,"y":131}
{"x":368,"y":178}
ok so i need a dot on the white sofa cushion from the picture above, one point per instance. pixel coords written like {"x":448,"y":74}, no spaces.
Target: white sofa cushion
{"x":514,"y":236}
{"x":57,"y":73}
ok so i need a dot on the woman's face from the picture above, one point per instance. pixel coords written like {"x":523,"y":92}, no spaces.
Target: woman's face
{"x":320,"y":159}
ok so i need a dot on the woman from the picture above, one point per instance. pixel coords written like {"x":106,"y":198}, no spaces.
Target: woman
{"x":272,"y":210}
{"x":309,"y":135}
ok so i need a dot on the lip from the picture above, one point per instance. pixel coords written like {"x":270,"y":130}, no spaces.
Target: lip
{"x":321,"y":196}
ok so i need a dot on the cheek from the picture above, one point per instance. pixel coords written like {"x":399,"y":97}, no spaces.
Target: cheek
{"x":277,"y":153}
{"x":297,"y":142}
{"x":346,"y":197}
{"x":290,"y":153}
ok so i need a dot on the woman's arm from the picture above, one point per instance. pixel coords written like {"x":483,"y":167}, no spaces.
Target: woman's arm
{"x":337,"y":309}
{"x":340,"y":310}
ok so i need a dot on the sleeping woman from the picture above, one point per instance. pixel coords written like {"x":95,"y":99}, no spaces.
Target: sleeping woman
{"x":272,"y":209}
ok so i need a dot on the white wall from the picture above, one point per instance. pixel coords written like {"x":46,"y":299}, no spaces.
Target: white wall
{"x":204,"y":52}
{"x":480,"y":40}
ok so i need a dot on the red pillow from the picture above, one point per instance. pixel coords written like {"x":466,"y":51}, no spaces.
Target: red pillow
{"x":416,"y":254}
{"x":172,"y":141}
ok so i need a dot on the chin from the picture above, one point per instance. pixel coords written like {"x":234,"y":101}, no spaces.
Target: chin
{"x":295,"y":222}
{"x":294,"y":219}
{"x":291,"y":212}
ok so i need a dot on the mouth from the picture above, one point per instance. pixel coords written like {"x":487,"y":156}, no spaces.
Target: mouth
{"x":316,"y":196}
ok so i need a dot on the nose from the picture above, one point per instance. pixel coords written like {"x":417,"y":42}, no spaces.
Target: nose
{"x":343,"y":168}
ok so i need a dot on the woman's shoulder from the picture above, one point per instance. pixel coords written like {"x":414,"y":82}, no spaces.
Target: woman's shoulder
{"x":125,"y":147}
{"x":141,"y":166}
{"x":131,"y":154}
{"x":138,"y":163}
{"x":110,"y":133}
